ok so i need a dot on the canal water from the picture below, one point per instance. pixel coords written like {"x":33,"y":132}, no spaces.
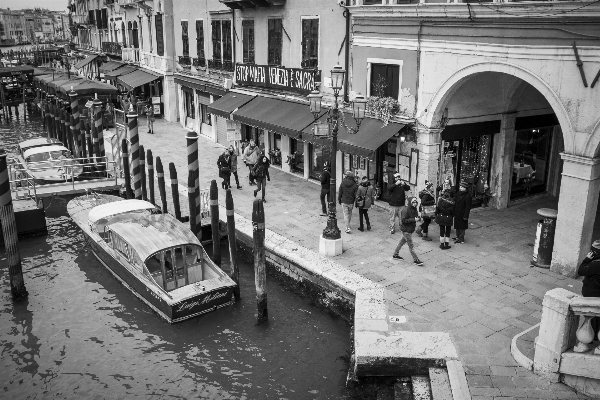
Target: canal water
{"x":81,"y":334}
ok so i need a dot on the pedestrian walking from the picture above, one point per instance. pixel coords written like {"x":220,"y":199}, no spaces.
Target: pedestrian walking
{"x":150,"y":118}
{"x":346,"y":197}
{"x":234,"y":157}
{"x":427,"y":209}
{"x":462,"y":208}
{"x":365,"y":197}
{"x":409,"y":216}
{"x":250,"y":159}
{"x":590,"y":270}
{"x":397,"y":198}
{"x":325,"y":188}
{"x":261,"y":174}
{"x":444,"y":214}
{"x":224,"y":164}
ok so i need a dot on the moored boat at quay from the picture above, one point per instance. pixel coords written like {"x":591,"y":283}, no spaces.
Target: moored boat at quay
{"x":154,"y":255}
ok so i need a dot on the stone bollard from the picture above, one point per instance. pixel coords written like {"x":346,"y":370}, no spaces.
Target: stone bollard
{"x":175,"y":190}
{"x":9,"y":230}
{"x":150,"y":162}
{"x":235,"y":271}
{"x":192,"y":200}
{"x":143,"y":173}
{"x":214,"y":222}
{"x":132,"y":124}
{"x":160,"y":174}
{"x":192,"y":158}
{"x":126,"y":172}
{"x":260,"y":273}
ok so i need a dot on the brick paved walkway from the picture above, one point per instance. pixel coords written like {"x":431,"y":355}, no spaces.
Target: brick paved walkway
{"x":483,"y":292}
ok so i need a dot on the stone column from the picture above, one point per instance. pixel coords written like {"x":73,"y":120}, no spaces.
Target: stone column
{"x":503,"y":154}
{"x":557,"y":332}
{"x":429,"y":156}
{"x":577,"y":203}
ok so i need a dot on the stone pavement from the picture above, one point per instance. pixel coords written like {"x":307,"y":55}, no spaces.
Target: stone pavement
{"x":482,"y":292}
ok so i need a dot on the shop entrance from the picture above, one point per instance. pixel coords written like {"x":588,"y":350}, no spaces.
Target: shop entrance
{"x":319,"y":155}
{"x":296,"y":157}
{"x":253,"y":133}
{"x":530,"y":165}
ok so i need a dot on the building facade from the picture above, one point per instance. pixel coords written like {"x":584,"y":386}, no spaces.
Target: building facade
{"x":503,"y":95}
{"x":12,"y":27}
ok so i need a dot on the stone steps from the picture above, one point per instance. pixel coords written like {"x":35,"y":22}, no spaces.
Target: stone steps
{"x":434,"y":386}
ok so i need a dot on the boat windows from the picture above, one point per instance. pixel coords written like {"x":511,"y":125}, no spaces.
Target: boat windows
{"x":176,"y":267}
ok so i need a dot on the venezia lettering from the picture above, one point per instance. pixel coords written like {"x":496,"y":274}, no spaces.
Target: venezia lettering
{"x":299,"y":80}
{"x":206,"y":299}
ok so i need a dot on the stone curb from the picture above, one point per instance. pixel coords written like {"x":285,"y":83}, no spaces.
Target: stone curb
{"x":519,"y":357}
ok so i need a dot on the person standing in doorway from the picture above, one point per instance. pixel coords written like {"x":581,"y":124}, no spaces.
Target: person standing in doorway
{"x":325,"y":188}
{"x":224,"y":164}
{"x":397,"y":197}
{"x":444,"y":213}
{"x":409,"y":216}
{"x":427,"y":200}
{"x":462,"y":208}
{"x":234,"y":158}
{"x":365,"y":197}
{"x":250,"y":158}
{"x":346,"y":195}
{"x":261,"y":173}
{"x":150,"y":118}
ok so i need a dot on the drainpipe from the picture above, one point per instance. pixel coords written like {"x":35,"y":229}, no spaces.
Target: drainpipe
{"x":234,"y":34}
{"x":347,"y":55}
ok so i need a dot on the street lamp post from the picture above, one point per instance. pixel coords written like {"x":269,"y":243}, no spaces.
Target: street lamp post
{"x":331,"y":231}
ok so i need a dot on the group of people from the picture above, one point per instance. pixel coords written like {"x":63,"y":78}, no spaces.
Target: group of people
{"x":352,"y":194}
{"x":258,"y":167}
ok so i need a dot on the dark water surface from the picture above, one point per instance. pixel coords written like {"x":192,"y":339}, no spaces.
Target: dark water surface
{"x":82,"y":335}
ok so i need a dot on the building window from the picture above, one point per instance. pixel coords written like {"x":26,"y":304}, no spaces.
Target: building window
{"x":206,"y":117}
{"x":189,"y":105}
{"x":385,"y":80}
{"x":185,"y":39}
{"x":221,"y":40}
{"x":248,"y":40}
{"x":200,"y":39}
{"x":274,"y":42}
{"x":160,"y":44}
{"x":310,"y":42}
{"x":123,"y":34}
{"x":129,"y":33}
{"x":134,"y":34}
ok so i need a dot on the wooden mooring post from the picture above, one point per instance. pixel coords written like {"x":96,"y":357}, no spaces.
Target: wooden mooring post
{"x":192,"y":200}
{"x":126,"y":173}
{"x":150,"y":162}
{"x":175,"y":190}
{"x":260,"y":273}
{"x":143,"y":173}
{"x":214,"y":222}
{"x":160,"y":175}
{"x":192,"y":159}
{"x":9,"y":230}
{"x":132,"y":124}
{"x":235,"y":272}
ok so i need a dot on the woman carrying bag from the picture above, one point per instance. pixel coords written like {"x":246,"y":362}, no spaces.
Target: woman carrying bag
{"x":224,"y":164}
{"x":364,"y":199}
{"x":444,"y":215}
{"x":427,"y":209}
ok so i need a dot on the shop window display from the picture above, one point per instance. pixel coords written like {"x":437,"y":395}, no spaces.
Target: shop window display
{"x":319,"y":155}
{"x":296,"y":157}
{"x":530,"y":165}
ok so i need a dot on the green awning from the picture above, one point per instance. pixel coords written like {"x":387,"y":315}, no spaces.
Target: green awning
{"x":229,"y":103}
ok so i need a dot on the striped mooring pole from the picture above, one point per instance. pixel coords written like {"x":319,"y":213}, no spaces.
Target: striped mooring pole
{"x":67,"y":128}
{"x":260,"y":273}
{"x":75,"y":113}
{"x":49,"y":116}
{"x":9,"y":231}
{"x":214,"y":222}
{"x":98,"y":124}
{"x":150,"y":162}
{"x":72,"y":137}
{"x":235,"y":271}
{"x":192,"y":158}
{"x":94,"y":127}
{"x":47,"y":119}
{"x":57,"y":127}
{"x":61,"y":123}
{"x":88,"y":139}
{"x":175,"y":190}
{"x":160,"y":175}
{"x":192,"y":199}
{"x":143,"y":173}
{"x":126,"y":174}
{"x":134,"y":138}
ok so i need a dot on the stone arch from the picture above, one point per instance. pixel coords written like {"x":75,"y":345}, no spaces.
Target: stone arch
{"x":436,"y":105}
{"x":592,"y":143}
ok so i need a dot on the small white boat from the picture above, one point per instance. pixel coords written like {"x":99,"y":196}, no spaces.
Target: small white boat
{"x":48,"y":161}
{"x":154,"y":255}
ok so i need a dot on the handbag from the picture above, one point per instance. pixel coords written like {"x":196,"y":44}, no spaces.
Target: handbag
{"x":360,"y":200}
{"x":428,"y":212}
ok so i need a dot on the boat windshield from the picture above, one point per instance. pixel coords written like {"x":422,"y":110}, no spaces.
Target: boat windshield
{"x":49,"y":156}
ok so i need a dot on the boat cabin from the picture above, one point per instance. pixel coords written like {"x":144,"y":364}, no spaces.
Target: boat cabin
{"x":38,"y":142}
{"x":158,"y":246}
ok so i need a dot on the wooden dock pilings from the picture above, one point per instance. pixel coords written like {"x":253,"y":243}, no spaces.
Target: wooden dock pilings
{"x":143,"y":173}
{"x":150,"y":162}
{"x":126,"y":174}
{"x":9,"y":231}
{"x":192,"y":159}
{"x":132,"y":125}
{"x":260,"y":273}
{"x":192,"y":200}
{"x":175,"y":191}
{"x":230,"y":213}
{"x":214,"y":222}
{"x":160,"y":175}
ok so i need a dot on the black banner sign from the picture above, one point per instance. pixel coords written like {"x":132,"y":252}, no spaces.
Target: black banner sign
{"x":294,"y":79}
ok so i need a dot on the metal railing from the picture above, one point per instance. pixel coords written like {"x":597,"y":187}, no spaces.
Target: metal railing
{"x":199,"y":62}
{"x":113,"y":48}
{"x":185,"y":61}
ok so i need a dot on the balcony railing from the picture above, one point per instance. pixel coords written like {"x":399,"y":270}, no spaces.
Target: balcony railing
{"x":221,"y":65}
{"x":199,"y":62}
{"x":128,"y":3}
{"x":130,"y":54}
{"x":156,"y":62}
{"x":112,"y":48}
{"x":185,"y":61}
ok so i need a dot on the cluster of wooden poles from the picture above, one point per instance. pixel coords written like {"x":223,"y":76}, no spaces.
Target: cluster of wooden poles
{"x":63,"y":121}
{"x":142,"y":188}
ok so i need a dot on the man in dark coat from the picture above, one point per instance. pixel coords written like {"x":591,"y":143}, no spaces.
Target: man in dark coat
{"x":346,"y":195}
{"x":397,"y":199}
{"x":462,"y":208}
{"x":590,"y":270}
{"x":409,"y":217}
{"x":325,"y":188}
